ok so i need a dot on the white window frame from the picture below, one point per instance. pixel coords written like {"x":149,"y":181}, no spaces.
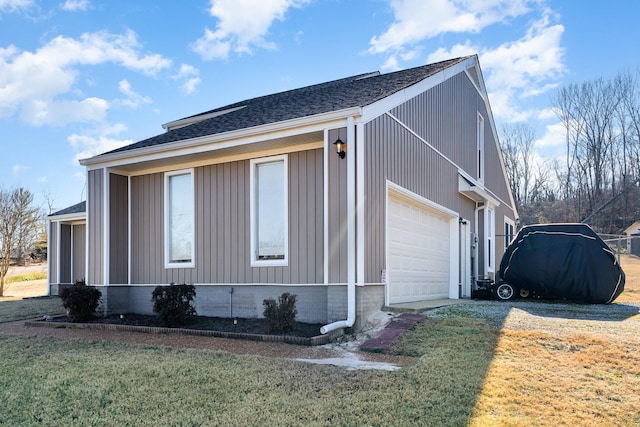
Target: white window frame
{"x":480,"y":148}
{"x":167,"y":223}
{"x":254,"y":163}
{"x":509,"y":237}
{"x":491,"y":239}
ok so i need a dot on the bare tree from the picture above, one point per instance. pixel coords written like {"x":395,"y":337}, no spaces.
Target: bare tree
{"x":18,"y":227}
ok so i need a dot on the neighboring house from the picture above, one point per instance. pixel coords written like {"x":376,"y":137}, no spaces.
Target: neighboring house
{"x":633,"y":242}
{"x":251,"y":200}
{"x":67,"y":247}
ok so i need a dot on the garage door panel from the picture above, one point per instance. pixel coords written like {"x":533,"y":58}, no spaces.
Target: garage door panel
{"x":419,"y":251}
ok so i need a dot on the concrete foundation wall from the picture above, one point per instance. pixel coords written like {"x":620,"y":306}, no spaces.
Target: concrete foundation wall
{"x":315,"y":304}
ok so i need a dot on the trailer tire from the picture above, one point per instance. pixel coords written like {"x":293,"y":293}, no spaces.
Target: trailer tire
{"x":504,"y":291}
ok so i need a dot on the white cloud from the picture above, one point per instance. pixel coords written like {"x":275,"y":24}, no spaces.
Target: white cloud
{"x":98,"y":141}
{"x":554,"y":136}
{"x":515,"y":70}
{"x":34,"y":82}
{"x":242,"y":25}
{"x":189,"y":75}
{"x":416,"y":20}
{"x":18,"y":169}
{"x":134,"y":99}
{"x":60,"y":113}
{"x":75,"y":5}
{"x":14,"y":5}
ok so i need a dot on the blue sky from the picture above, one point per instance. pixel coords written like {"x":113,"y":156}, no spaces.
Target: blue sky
{"x":80,"y":77}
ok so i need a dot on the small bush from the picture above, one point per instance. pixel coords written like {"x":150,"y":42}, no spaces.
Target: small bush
{"x":81,"y":301}
{"x":281,"y":315}
{"x":174,"y":303}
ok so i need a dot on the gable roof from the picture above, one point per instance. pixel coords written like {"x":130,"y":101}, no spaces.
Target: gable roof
{"x":78,"y":208}
{"x":356,"y":91}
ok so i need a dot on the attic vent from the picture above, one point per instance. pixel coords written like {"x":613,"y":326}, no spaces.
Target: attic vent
{"x":473,"y":73}
{"x":366,"y":76}
{"x":176,"y":124}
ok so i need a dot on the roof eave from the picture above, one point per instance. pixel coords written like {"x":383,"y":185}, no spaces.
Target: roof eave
{"x":224,"y":136}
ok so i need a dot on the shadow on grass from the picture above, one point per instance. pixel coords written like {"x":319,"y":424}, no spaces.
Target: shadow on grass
{"x":456,"y":346}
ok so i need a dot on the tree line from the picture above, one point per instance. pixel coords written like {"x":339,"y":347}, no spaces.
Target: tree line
{"x":21,"y":229}
{"x":597,"y":180}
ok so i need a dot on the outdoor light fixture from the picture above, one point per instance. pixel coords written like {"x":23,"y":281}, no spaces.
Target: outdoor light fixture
{"x":340,"y":146}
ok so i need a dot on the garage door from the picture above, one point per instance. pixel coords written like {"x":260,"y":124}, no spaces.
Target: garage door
{"x":419,"y":251}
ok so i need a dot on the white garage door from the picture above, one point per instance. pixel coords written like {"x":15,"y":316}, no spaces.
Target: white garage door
{"x":419,"y":251}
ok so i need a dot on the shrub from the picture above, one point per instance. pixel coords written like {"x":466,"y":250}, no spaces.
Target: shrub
{"x":174,"y":303}
{"x":280,"y":315}
{"x":81,"y":301}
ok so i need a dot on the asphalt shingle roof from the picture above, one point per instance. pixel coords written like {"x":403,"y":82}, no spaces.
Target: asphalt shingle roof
{"x":356,"y":91}
{"x":77,"y":208}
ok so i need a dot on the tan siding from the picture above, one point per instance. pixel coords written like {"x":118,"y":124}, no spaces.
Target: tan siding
{"x":79,"y":252}
{"x":337,"y":212}
{"x":445,"y":117}
{"x":95,"y":225}
{"x":118,"y":229}
{"x":223,"y":232}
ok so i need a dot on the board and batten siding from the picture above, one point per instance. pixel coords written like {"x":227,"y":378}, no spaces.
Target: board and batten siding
{"x":337,"y":211}
{"x":95,"y":224}
{"x":222,"y":226}
{"x":446,"y":117}
{"x":79,"y":254}
{"x":118,"y":229}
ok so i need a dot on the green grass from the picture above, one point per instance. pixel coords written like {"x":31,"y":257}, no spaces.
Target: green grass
{"x":26,"y":277}
{"x":29,"y":308}
{"x":59,"y":382}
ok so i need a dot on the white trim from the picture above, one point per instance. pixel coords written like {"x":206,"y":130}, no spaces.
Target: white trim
{"x":167,"y":263}
{"x":386,"y":104}
{"x":480,"y":149}
{"x":86,"y":233}
{"x":252,"y":209}
{"x":512,"y":223}
{"x":71,"y":232}
{"x":316,"y":123}
{"x":78,"y":216}
{"x":106,"y":224}
{"x":325,"y":168}
{"x":229,"y":284}
{"x":360,"y":207}
{"x":129,"y":231}
{"x":490,"y":236}
{"x":48,"y":258}
{"x":58,"y":249}
{"x":454,"y":235}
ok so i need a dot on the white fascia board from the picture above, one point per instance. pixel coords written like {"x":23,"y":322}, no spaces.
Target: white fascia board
{"x":79,"y":216}
{"x":223,"y":140}
{"x":378,"y":108}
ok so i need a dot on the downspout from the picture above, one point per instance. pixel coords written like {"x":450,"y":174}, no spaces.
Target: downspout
{"x":351,"y":234}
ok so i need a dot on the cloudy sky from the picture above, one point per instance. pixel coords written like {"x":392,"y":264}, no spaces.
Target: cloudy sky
{"x":80,"y":77}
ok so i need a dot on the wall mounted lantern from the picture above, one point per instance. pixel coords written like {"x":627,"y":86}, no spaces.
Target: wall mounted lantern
{"x":340,"y":146}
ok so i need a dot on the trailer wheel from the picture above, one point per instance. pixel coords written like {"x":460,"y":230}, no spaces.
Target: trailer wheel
{"x":505,"y":291}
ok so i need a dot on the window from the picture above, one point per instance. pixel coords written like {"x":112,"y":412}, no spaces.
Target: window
{"x":480,"y":137}
{"x":179,"y":219}
{"x":491,"y":253}
{"x":509,"y":227}
{"x":269,"y":207}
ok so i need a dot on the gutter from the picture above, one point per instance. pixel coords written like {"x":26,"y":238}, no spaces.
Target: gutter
{"x":351,"y":234}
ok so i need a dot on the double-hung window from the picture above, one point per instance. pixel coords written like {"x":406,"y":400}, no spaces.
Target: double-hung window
{"x":269,"y":211}
{"x":179,"y":235}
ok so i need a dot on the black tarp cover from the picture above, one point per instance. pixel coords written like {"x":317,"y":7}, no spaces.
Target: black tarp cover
{"x":568,"y":261}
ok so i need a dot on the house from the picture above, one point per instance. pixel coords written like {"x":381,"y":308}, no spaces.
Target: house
{"x":66,"y":247}
{"x":633,"y":241}
{"x":368,"y":191}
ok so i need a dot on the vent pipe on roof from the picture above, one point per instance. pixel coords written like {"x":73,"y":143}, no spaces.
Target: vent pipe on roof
{"x":351,"y":234}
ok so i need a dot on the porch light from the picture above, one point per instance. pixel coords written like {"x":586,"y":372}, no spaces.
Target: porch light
{"x":340,"y":146}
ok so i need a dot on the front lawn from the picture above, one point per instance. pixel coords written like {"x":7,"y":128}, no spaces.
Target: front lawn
{"x":20,"y":309}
